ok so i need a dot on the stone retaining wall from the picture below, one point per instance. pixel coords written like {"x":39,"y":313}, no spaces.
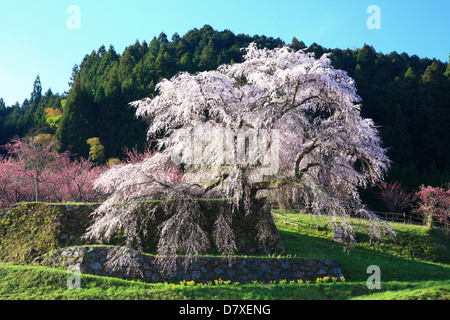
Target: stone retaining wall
{"x":91,"y":260}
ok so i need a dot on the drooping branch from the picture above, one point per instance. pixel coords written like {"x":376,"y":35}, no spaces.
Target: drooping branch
{"x":275,"y":90}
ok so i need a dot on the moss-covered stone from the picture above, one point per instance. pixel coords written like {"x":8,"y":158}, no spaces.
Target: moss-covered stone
{"x":32,"y":229}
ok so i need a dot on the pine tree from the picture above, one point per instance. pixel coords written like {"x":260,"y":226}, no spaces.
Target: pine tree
{"x":297,"y":45}
{"x":208,"y":59}
{"x":77,"y":122}
{"x":36,"y":95}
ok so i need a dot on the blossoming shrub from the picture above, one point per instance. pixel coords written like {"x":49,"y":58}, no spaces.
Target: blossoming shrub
{"x":434,"y":205}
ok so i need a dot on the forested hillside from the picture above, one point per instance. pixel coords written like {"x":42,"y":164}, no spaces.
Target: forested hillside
{"x":408,"y":97}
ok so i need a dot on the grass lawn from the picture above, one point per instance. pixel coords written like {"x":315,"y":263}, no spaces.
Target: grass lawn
{"x":425,"y":278}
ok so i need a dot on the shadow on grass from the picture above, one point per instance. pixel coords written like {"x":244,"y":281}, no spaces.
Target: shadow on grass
{"x":354,"y":263}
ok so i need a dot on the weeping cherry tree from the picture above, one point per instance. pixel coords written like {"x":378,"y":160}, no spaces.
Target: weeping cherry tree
{"x":279,"y":118}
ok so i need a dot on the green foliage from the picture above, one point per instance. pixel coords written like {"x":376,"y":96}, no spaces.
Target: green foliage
{"x":53,"y":116}
{"x":113,"y":162}
{"x":97,"y":150}
{"x":78,"y":121}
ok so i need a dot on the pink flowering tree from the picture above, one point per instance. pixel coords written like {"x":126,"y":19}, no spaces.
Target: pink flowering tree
{"x":35,"y":171}
{"x":394,"y":196}
{"x":134,"y":156}
{"x":12,"y":183}
{"x":31,"y":162}
{"x":72,"y":180}
{"x":434,"y":205}
{"x":278,"y":118}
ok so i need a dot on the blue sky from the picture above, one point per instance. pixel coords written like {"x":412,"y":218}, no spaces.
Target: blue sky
{"x":35,"y":39}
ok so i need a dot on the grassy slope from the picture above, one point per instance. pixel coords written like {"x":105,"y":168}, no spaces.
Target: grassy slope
{"x":393,"y":256}
{"x":428,"y":277}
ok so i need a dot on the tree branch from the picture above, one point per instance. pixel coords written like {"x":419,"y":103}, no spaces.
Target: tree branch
{"x":306,"y":151}
{"x":216,"y":183}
